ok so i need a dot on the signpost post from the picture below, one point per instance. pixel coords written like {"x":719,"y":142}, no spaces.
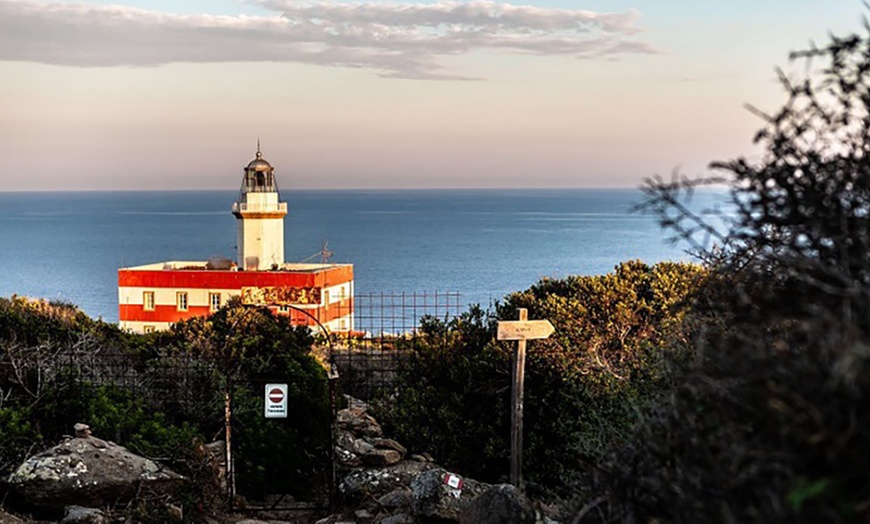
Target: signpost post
{"x":520,"y":330}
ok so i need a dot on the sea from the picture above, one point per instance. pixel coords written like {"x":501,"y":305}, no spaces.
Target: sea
{"x":481,"y":244}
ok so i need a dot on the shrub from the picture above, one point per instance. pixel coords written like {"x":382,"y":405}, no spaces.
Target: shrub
{"x":583,"y":385}
{"x":162,"y":395}
{"x":773,"y":423}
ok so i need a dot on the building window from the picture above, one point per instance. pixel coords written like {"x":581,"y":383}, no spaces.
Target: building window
{"x":326,"y":297}
{"x":343,"y":289}
{"x":343,"y":325}
{"x":284,"y":309}
{"x":214,"y":301}
{"x":181,"y":300}
{"x":148,"y":300}
{"x":148,"y":329}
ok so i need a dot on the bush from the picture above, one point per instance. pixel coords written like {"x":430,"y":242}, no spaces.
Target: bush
{"x":773,"y":423}
{"x":162,"y":395}
{"x":583,"y":386}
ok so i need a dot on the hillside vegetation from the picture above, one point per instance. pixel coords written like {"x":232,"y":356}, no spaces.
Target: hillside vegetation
{"x":163,"y":395}
{"x":618,"y":337}
{"x":772,"y":422}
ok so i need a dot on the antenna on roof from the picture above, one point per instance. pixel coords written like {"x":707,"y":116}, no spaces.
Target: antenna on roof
{"x":325,"y":254}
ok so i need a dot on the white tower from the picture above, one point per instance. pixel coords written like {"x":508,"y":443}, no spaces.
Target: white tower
{"x":260,"y":242}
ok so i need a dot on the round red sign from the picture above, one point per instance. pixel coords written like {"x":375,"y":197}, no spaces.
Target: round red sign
{"x":276,"y":396}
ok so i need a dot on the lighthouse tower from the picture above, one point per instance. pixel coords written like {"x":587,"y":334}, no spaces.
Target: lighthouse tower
{"x":260,"y":241}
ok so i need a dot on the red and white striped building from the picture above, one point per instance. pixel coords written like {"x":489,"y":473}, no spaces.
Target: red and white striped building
{"x":153,"y":296}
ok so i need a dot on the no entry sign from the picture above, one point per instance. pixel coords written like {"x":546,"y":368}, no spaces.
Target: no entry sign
{"x":276,"y":401}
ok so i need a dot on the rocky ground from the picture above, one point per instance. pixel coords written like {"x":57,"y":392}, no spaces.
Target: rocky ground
{"x":379,"y":484}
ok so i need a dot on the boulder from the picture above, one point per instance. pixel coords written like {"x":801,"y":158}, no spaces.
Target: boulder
{"x":398,"y":498}
{"x":356,"y":420}
{"x":381,"y":457}
{"x":346,"y":460}
{"x":388,"y":443}
{"x":344,"y":439}
{"x":441,"y":494}
{"x":82,"y":515}
{"x":361,"y":447}
{"x":373,"y":483}
{"x":88,"y":471}
{"x":82,"y":431}
{"x":8,"y":518}
{"x":501,"y":504}
{"x":398,"y":518}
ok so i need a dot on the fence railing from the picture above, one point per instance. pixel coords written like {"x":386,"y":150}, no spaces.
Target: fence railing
{"x":386,"y":326}
{"x":193,"y":387}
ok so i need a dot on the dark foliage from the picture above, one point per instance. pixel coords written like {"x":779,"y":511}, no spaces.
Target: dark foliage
{"x":583,"y":386}
{"x":773,"y":422}
{"x":162,"y":395}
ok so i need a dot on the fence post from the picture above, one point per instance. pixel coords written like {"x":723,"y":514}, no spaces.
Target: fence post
{"x":228,"y":443}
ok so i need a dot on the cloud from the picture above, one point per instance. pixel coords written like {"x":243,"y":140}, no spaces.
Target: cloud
{"x":402,"y":40}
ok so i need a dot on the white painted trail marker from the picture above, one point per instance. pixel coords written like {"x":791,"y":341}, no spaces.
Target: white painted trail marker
{"x":276,"y":401}
{"x":454,"y":485}
{"x":520,"y":330}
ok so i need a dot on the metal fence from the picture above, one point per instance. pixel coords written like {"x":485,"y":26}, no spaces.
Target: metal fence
{"x":192,"y":387}
{"x":386,"y":327}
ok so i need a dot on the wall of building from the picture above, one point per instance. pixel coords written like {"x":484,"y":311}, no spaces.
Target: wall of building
{"x":150,"y":297}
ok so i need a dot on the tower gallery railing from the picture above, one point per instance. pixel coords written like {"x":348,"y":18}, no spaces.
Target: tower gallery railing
{"x":243,"y":207}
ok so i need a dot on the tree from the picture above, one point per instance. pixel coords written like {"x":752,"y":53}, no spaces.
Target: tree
{"x":773,"y":423}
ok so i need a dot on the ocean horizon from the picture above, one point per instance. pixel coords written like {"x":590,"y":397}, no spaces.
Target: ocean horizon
{"x":480,"y":243}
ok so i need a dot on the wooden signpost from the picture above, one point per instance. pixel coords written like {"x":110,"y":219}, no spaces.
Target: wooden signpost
{"x":520,"y":330}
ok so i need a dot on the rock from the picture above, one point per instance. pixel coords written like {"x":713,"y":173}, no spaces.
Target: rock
{"x":373,"y":483}
{"x":359,"y":422}
{"x":398,"y":518}
{"x":258,"y":521}
{"x":90,"y":472}
{"x":361,"y":447}
{"x":398,"y":498}
{"x":501,"y":504}
{"x":176,"y":512}
{"x":363,"y":515}
{"x":381,"y":457}
{"x":82,"y":430}
{"x":355,"y":403}
{"x":7,"y":518}
{"x":347,"y":460}
{"x":344,"y":439}
{"x":441,"y":494}
{"x":82,"y":515}
{"x":388,"y":443}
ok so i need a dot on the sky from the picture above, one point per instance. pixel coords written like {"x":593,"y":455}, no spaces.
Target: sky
{"x":163,"y":95}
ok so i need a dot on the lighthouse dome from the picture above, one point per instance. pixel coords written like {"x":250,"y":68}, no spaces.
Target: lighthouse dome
{"x":259,"y":175}
{"x":259,"y":163}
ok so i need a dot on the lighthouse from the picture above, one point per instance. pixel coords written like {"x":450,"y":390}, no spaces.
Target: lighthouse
{"x":154,"y":296}
{"x":260,"y":216}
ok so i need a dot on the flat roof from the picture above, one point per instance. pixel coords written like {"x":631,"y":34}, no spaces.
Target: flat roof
{"x":199,"y":265}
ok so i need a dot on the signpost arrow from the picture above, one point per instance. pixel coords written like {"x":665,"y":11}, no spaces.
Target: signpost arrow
{"x":520,"y":330}
{"x":524,"y":330}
